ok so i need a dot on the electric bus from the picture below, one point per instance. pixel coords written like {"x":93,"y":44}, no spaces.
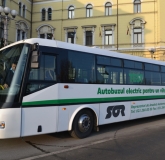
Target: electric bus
{"x":58,"y":86}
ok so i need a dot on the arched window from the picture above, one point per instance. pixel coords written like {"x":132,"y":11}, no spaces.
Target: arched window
{"x":24,"y":10}
{"x":18,"y":35}
{"x":71,"y":12}
{"x":22,"y":30}
{"x":49,"y":14}
{"x":3,"y":3}
{"x":46,"y":32}
{"x":108,"y":8}
{"x":137,"y":32}
{"x":89,"y":10}
{"x":43,"y":14}
{"x":137,"y":35}
{"x":137,"y":6}
{"x":20,"y":7}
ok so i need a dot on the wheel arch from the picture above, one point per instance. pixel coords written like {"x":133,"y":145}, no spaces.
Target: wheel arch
{"x":93,"y":111}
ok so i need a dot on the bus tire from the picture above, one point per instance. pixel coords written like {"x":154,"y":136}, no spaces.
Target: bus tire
{"x":82,"y":124}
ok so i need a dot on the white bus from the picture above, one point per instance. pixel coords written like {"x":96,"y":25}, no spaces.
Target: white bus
{"x":59,"y":86}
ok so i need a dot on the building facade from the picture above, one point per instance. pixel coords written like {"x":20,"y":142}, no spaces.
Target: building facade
{"x":20,"y":27}
{"x":134,"y":27}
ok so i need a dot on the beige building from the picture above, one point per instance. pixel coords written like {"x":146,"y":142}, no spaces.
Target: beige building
{"x":130,"y":26}
{"x":20,"y":27}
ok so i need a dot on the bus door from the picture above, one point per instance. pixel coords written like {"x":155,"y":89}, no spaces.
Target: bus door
{"x":39,"y":115}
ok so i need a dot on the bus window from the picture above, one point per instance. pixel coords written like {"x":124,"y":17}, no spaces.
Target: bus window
{"x":44,"y":76}
{"x":163,"y":78}
{"x":133,"y":76}
{"x":102,"y":75}
{"x":156,"y":68}
{"x":81,"y":67}
{"x":47,"y":68}
{"x":162,"y":69}
{"x":12,"y":65}
{"x":152,"y":67}
{"x":139,"y":65}
{"x":116,"y":62}
{"x":129,"y":64}
{"x":109,"y":75}
{"x":156,"y":78}
{"x":152,"y":78}
{"x":116,"y":75}
{"x":148,"y":67}
{"x":103,"y":60}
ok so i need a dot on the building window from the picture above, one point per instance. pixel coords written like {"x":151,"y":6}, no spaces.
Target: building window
{"x":137,"y":32}
{"x":46,"y":32}
{"x":71,"y":12}
{"x":108,"y":37}
{"x":42,"y":36}
{"x":24,"y":10}
{"x":88,"y":35}
{"x":71,"y":36}
{"x":46,"y":36}
{"x":137,"y":35}
{"x":20,"y":8}
{"x":1,"y":30}
{"x":107,"y":34}
{"x":22,"y":30}
{"x":108,"y":8}
{"x":49,"y":14}
{"x":89,"y":38}
{"x":49,"y":36}
{"x":3,"y":3}
{"x":137,"y":6}
{"x":18,"y":35}
{"x":21,"y":35}
{"x":89,"y":10}
{"x":43,"y":14}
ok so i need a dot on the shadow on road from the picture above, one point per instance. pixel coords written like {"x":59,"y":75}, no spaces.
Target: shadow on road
{"x":114,"y":126}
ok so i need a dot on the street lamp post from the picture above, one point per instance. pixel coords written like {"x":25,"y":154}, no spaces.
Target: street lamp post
{"x":7,"y":18}
{"x":152,"y":51}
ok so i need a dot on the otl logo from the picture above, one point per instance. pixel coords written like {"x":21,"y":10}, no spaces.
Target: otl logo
{"x":115,"y":111}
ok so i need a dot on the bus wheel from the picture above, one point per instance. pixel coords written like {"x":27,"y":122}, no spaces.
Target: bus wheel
{"x":82,"y":124}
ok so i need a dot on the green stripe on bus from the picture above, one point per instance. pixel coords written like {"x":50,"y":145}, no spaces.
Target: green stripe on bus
{"x":89,"y":100}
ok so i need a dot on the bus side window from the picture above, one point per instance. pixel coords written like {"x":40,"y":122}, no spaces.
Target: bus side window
{"x":116,"y":75}
{"x":153,"y":78}
{"x":109,"y":75}
{"x":100,"y":78}
{"x":81,"y":67}
{"x":44,"y":76}
{"x":132,"y":76}
{"x":50,"y":74}
{"x":163,"y":78}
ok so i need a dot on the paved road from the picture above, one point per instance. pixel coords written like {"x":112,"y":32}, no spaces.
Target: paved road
{"x":138,"y":140}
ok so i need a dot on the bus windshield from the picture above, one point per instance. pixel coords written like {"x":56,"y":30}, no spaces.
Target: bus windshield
{"x":12,"y":65}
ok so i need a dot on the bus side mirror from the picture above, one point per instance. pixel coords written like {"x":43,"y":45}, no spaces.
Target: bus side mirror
{"x":35,"y":60}
{"x":35,"y":56}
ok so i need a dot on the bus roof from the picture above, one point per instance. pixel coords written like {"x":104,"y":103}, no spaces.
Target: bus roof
{"x":93,"y":50}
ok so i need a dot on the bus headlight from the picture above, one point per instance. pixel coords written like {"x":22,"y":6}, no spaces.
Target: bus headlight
{"x":2,"y":125}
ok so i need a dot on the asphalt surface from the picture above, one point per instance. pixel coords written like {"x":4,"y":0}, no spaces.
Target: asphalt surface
{"x":142,"y":139}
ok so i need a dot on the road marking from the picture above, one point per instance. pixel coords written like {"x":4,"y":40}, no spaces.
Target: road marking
{"x":69,"y":149}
